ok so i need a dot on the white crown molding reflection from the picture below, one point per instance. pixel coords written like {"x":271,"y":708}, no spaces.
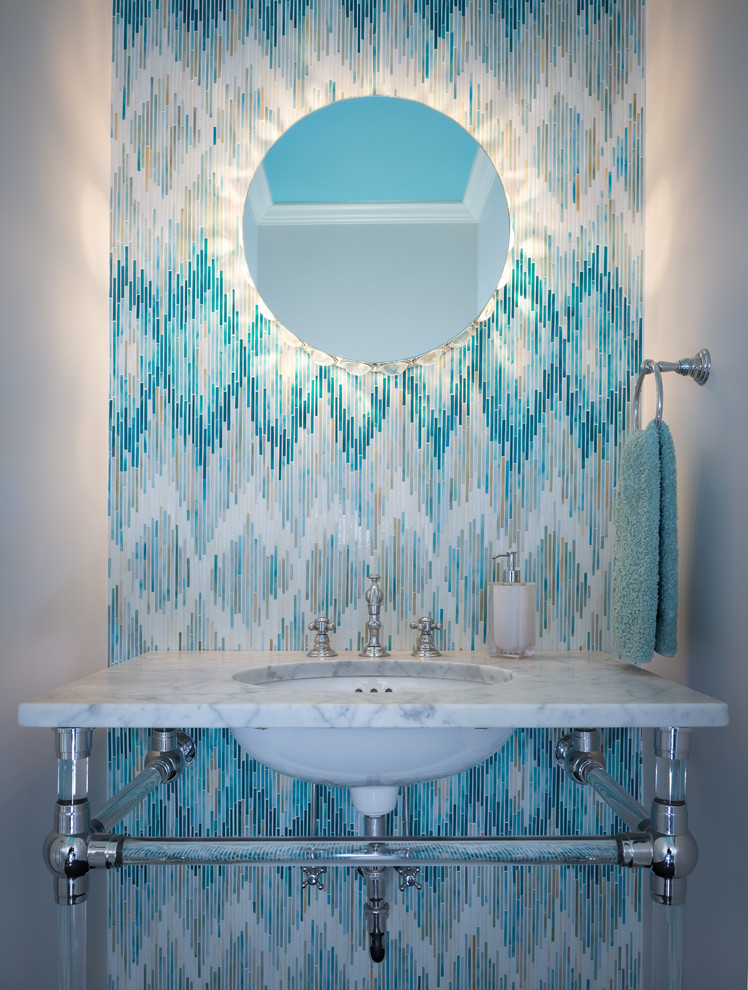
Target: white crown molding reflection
{"x":321,"y":214}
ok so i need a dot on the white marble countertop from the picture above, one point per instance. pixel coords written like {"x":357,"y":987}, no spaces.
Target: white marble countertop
{"x":198,"y":690}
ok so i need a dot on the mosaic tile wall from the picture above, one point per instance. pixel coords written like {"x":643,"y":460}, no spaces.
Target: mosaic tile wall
{"x":254,"y":486}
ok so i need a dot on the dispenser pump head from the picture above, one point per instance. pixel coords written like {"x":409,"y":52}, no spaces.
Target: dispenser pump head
{"x":512,"y":571}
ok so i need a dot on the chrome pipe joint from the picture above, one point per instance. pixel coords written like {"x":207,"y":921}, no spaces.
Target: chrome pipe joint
{"x":105,"y":851}
{"x":67,"y":858}
{"x":635,"y":850}
{"x":674,"y":852}
{"x":171,"y":751}
{"x":578,"y":752}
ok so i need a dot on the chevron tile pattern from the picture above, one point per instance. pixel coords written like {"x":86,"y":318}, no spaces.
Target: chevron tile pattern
{"x":254,"y":484}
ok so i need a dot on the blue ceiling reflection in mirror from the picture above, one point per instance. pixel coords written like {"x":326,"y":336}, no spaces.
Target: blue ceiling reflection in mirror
{"x":376,"y":229}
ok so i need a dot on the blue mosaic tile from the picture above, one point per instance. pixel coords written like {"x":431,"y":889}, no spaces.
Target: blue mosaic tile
{"x":252,"y":487}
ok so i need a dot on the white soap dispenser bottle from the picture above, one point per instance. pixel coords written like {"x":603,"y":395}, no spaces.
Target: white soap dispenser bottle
{"x":511,"y":613}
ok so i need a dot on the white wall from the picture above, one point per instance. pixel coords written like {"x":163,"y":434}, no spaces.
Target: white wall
{"x":418,"y":283}
{"x":54,"y":108}
{"x":696,"y":278}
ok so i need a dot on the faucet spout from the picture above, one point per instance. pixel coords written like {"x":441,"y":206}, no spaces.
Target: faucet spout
{"x":374,"y":598}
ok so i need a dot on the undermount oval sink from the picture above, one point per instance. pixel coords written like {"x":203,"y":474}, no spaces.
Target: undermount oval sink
{"x":373,"y":761}
{"x":372,"y":676}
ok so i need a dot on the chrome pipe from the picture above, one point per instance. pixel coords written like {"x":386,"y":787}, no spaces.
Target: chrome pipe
{"x":361,"y":851}
{"x":171,"y":751}
{"x":131,"y":795}
{"x":616,"y":797}
{"x":579,"y":753}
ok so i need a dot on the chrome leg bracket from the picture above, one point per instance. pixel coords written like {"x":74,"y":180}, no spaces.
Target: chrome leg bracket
{"x":67,"y":849}
{"x":578,"y":752}
{"x":662,"y":841}
{"x":674,"y":849}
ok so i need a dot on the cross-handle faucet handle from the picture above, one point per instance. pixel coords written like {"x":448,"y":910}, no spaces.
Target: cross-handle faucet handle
{"x":409,"y":877}
{"x":313,"y":877}
{"x":322,"y":648}
{"x":425,"y":644}
{"x":322,"y":624}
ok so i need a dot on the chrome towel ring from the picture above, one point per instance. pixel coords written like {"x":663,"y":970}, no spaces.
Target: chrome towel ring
{"x":698,"y":367}
{"x":648,"y":367}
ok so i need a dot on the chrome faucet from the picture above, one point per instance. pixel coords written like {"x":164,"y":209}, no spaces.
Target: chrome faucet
{"x":374,"y":598}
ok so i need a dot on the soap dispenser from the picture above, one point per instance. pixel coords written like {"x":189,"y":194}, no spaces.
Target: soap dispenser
{"x":511,"y":613}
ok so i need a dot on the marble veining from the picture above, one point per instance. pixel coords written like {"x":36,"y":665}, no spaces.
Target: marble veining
{"x":201,"y":690}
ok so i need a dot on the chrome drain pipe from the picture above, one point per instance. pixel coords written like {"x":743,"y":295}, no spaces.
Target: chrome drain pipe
{"x":376,"y":908}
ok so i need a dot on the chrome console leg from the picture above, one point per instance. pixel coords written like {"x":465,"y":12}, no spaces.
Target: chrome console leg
{"x":65,"y":853}
{"x":675,"y":851}
{"x":674,"y":854}
{"x":69,"y":849}
{"x":662,"y":842}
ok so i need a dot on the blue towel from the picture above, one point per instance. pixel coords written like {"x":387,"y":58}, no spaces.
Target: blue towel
{"x":666,"y":636}
{"x":636,"y":546}
{"x":644,"y":602}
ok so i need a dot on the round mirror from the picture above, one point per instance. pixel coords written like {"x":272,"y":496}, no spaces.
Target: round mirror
{"x":376,"y":229}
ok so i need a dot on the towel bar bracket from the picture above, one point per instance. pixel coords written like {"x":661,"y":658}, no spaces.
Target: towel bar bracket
{"x":697,"y":367}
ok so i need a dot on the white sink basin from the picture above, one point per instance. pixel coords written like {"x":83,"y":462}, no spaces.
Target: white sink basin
{"x":374,"y":761}
{"x":364,"y":676}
